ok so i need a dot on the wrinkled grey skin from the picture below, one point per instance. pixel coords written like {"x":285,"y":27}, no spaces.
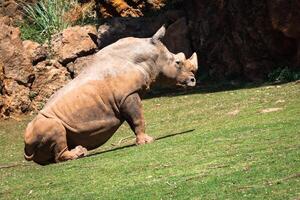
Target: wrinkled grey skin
{"x":86,"y":112}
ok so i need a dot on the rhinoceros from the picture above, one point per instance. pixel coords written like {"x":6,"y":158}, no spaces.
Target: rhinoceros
{"x":87,"y":111}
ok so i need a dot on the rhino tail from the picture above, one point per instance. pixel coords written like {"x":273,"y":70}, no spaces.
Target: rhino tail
{"x":30,"y":144}
{"x":28,"y":157}
{"x":29,"y":151}
{"x":159,"y":34}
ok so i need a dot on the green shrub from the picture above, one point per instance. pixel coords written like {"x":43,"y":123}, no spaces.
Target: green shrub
{"x":44,"y":19}
{"x":32,"y":95}
{"x":283,"y":75}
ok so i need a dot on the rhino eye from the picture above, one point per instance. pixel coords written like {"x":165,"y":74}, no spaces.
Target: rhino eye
{"x":177,"y":62}
{"x":179,"y":67}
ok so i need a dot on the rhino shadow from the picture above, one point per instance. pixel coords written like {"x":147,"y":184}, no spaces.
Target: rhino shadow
{"x":133,"y":145}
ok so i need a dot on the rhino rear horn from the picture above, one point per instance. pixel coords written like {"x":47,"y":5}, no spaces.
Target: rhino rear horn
{"x":194,"y":60}
{"x":159,"y":34}
{"x":180,"y":56}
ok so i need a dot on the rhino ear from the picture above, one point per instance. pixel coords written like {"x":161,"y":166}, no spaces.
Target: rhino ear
{"x":194,"y":60}
{"x":159,"y":34}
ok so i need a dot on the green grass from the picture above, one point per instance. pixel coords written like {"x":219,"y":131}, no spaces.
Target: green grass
{"x":249,"y":155}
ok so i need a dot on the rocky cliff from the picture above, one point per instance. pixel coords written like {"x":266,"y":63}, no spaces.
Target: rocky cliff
{"x":235,"y":40}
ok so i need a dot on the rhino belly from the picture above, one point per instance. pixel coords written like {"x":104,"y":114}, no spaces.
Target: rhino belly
{"x":92,"y":139}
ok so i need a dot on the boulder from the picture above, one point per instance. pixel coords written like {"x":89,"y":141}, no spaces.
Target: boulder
{"x":79,"y":64}
{"x":74,"y":42}
{"x":50,"y":76}
{"x":16,"y":99}
{"x":11,"y":9}
{"x":35,"y":51}
{"x":16,"y":63}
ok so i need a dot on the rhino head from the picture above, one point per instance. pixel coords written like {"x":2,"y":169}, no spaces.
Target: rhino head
{"x":175,"y":69}
{"x":186,"y":70}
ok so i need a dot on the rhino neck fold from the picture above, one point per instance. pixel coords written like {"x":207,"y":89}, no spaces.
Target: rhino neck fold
{"x":149,"y":69}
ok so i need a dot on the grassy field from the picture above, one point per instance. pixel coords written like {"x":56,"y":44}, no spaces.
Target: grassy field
{"x":238,"y":144}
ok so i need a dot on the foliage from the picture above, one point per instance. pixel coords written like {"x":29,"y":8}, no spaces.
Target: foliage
{"x":48,"y":17}
{"x":32,"y":95}
{"x":283,"y":75}
{"x":234,"y":152}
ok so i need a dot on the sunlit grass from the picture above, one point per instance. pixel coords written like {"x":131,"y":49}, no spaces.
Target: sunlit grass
{"x":237,"y":150}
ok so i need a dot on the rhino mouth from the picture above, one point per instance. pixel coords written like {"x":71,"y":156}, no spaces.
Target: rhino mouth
{"x":186,"y":84}
{"x":190,"y":82}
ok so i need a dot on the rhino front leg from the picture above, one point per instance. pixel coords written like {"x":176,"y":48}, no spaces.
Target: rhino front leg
{"x":132,"y":112}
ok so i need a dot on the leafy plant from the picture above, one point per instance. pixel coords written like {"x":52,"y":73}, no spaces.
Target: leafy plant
{"x":283,"y":75}
{"x":45,"y":18}
{"x":32,"y":95}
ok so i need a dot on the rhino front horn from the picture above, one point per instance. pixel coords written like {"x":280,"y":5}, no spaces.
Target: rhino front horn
{"x":159,"y":34}
{"x":194,"y":60}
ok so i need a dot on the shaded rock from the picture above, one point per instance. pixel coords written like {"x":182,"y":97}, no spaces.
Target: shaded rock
{"x":235,"y":37}
{"x":74,"y":42}
{"x":257,"y":71}
{"x":50,"y":76}
{"x":177,"y":39}
{"x":36,"y":52}
{"x":285,"y":17}
{"x":15,"y":61}
{"x":117,"y":28}
{"x":79,"y":64}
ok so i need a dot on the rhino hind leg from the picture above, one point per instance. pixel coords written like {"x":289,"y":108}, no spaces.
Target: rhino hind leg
{"x":46,"y":142}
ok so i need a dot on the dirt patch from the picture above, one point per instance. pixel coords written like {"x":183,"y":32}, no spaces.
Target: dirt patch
{"x":233,"y":113}
{"x":268,"y":110}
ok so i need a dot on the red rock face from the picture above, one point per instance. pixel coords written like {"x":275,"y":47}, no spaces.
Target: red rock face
{"x":16,"y":71}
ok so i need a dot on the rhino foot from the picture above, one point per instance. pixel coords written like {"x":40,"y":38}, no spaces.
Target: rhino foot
{"x":144,"y":139}
{"x":80,"y":151}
